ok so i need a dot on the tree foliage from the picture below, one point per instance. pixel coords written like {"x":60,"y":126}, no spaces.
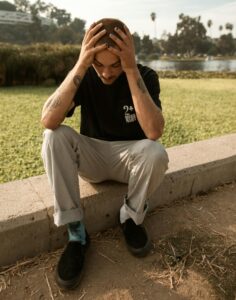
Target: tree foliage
{"x":137,"y":42}
{"x":190,"y":37}
{"x":226,"y":44}
{"x":61,"y":24}
{"x":153,"y":16}
{"x":22,"y":5}
{"x":229,"y":26}
{"x":5,"y":5}
{"x":190,"y":32}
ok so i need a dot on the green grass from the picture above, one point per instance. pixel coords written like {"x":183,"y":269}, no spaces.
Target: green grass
{"x":197,"y":109}
{"x":193,"y":109}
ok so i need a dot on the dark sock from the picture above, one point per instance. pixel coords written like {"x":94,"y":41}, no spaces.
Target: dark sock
{"x":76,"y":231}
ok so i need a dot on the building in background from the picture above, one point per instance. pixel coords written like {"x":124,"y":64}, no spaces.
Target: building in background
{"x":14,"y":17}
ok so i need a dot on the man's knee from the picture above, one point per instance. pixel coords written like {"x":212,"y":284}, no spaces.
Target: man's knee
{"x":52,"y":136}
{"x":152,"y":152}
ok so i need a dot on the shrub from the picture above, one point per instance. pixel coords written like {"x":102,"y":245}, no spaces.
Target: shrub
{"x":35,"y":64}
{"x":195,"y":74}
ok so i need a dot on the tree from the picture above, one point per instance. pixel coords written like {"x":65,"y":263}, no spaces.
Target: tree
{"x":220,"y":28}
{"x":61,"y":16}
{"x":147,"y":46}
{"x":66,"y":35}
{"x":229,"y":26}
{"x":36,"y":29}
{"x":40,"y":6}
{"x":226,"y":44}
{"x":153,"y":18}
{"x":137,"y":42}
{"x":22,"y":5}
{"x":156,"y":47}
{"x":78,"y":26}
{"x":170,"y":45}
{"x":209,"y":24}
{"x":5,"y":5}
{"x":189,"y":32}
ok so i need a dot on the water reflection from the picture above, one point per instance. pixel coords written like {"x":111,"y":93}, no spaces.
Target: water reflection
{"x":210,"y":65}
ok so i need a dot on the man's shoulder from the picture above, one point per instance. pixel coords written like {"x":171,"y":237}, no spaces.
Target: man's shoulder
{"x":146,"y":71}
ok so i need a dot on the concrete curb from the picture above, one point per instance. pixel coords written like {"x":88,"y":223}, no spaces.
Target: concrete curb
{"x":26,"y":206}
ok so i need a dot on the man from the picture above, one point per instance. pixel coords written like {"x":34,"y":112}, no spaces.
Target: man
{"x":121,"y":120}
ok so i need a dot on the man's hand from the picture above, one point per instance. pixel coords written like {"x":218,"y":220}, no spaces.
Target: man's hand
{"x":148,"y":114}
{"x":126,"y":51}
{"x":88,"y":48}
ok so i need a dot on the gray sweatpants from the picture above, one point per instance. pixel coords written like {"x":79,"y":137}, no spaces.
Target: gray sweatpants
{"x":66,"y":153}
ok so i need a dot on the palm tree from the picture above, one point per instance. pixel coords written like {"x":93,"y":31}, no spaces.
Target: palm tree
{"x":220,"y":28}
{"x":153,"y":18}
{"x":229,"y":26}
{"x":209,"y":24}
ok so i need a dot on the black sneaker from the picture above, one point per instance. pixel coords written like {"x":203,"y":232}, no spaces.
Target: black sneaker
{"x":71,"y":264}
{"x":137,"y":240}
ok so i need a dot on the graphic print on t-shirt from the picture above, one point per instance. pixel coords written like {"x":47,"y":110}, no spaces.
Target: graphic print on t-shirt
{"x":129,"y":114}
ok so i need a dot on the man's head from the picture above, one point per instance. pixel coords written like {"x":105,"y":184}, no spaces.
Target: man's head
{"x":106,"y":64}
{"x":109,"y":25}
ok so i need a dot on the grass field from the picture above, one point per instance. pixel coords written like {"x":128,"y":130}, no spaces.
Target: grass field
{"x":193,"y":109}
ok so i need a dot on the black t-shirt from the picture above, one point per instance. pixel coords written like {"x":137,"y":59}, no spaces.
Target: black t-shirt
{"x":107,"y":111}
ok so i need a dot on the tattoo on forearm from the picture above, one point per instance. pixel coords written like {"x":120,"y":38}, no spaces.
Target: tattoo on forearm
{"x":77,"y":80}
{"x":54,"y":102}
{"x":141,"y":85}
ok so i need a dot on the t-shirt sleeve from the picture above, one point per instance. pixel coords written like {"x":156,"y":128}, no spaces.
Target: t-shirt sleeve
{"x":77,"y":101}
{"x":152,"y":83}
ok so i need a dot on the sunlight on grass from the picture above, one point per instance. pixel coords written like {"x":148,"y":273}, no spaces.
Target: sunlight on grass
{"x":193,"y":109}
{"x":197,"y":109}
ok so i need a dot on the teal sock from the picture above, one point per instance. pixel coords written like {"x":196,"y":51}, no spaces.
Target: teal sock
{"x":76,"y":231}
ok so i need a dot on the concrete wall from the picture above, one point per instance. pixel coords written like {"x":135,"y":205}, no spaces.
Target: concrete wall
{"x":26,"y":206}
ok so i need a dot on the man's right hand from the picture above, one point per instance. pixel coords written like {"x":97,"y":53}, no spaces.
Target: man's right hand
{"x":61,"y":101}
{"x":88,"y":48}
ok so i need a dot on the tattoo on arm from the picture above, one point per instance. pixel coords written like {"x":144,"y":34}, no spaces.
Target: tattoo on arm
{"x":53,"y":102}
{"x":77,"y":80}
{"x":141,"y":85}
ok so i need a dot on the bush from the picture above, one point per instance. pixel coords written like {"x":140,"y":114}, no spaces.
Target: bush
{"x":35,"y":64}
{"x":196,"y":74}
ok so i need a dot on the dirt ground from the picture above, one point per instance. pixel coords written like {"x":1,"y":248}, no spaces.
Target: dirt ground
{"x":194,"y":257}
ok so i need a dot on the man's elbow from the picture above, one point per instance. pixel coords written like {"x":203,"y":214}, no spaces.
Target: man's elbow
{"x":49,"y":124}
{"x":157,"y":131}
{"x":155,"y":135}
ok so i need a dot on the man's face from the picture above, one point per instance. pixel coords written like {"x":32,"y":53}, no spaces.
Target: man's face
{"x":108,"y":66}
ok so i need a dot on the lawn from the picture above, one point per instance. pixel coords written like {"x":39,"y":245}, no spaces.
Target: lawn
{"x":193,"y":109}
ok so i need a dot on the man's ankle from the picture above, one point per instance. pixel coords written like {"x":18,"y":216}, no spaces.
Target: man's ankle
{"x":77,"y":232}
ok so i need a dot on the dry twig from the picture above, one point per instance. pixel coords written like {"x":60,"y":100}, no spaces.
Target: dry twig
{"x":108,"y":258}
{"x":82,"y":296}
{"x":49,"y":287}
{"x":3,"y":284}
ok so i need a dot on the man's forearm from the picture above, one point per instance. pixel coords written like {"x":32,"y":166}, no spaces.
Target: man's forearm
{"x":148,"y":114}
{"x":61,"y":101}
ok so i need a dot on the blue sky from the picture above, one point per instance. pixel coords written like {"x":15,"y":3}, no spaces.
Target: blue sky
{"x":136,"y":13}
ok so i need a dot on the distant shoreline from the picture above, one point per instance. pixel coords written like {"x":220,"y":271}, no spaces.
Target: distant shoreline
{"x":178,"y":58}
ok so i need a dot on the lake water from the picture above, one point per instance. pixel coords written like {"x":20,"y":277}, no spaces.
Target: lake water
{"x":208,"y":65}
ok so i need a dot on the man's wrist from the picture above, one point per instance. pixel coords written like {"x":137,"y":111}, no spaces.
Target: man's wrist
{"x":132,"y":71}
{"x":80,"y":67}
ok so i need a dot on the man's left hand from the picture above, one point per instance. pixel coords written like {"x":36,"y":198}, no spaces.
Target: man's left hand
{"x":126,"y":51}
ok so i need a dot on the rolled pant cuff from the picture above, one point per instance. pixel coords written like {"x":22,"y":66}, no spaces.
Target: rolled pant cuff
{"x":135,"y":216}
{"x":67,"y":216}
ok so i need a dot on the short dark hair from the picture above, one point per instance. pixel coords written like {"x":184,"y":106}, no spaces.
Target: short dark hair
{"x":109,"y":24}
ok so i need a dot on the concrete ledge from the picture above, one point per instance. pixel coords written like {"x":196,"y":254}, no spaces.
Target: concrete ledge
{"x":26,"y":206}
